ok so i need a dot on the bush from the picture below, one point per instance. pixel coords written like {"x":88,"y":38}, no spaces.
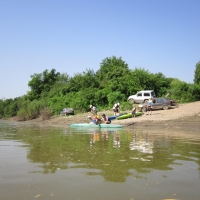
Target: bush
{"x":45,"y":113}
{"x":125,"y":106}
{"x":115,"y":97}
{"x":22,"y":114}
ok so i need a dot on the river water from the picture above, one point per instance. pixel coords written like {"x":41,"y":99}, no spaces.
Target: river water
{"x":98,"y":164}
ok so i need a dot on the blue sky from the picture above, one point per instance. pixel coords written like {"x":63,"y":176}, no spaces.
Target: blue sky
{"x":74,"y":35}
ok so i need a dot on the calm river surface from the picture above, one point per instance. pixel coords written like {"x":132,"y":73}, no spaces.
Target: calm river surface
{"x":87,"y":164}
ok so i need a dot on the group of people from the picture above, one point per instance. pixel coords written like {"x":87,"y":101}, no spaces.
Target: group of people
{"x":116,"y":109}
{"x":104,"y":119}
{"x":149,"y":108}
{"x":96,"y":120}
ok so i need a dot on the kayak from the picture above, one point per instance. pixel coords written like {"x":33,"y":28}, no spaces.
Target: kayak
{"x":129,"y":115}
{"x":96,"y":126}
{"x":114,"y":117}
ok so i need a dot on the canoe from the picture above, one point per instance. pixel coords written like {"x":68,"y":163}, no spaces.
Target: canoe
{"x":85,"y":125}
{"x":129,"y":115}
{"x":114,"y":117}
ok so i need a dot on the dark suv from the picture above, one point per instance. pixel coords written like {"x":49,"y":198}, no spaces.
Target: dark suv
{"x":158,"y":103}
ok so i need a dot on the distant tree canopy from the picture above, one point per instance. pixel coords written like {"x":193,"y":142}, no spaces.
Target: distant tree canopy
{"x":197,"y":73}
{"x":112,"y":83}
{"x":42,"y":83}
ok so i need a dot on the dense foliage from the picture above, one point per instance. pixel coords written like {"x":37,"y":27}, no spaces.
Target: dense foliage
{"x":51,"y":91}
{"x":197,"y":73}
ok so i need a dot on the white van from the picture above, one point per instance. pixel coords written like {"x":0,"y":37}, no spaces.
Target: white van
{"x":142,"y":96}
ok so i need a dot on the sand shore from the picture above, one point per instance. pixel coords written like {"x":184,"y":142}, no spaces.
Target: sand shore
{"x":183,"y":116}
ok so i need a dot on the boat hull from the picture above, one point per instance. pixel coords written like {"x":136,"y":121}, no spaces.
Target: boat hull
{"x":85,"y":125}
{"x":129,"y":115}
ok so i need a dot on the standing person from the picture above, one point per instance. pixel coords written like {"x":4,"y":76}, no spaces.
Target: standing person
{"x":133,"y":111}
{"x":149,"y":106}
{"x":93,"y":110}
{"x":116,"y":108}
{"x":105,"y":119}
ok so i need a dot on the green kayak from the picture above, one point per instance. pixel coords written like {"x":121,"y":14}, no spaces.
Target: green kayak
{"x":97,"y":126}
{"x":129,"y":115}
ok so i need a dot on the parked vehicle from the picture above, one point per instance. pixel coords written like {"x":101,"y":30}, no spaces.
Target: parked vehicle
{"x":66,"y":111}
{"x":173,"y":102}
{"x":142,"y":96}
{"x":158,"y":103}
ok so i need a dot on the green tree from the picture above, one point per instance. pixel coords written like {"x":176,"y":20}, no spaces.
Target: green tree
{"x":115,"y":97}
{"x":160,"y":84}
{"x":42,"y":83}
{"x":197,"y":73}
{"x":112,"y":78}
{"x":179,"y":90}
{"x":1,"y":108}
{"x":111,"y":69}
{"x":10,"y":107}
{"x":81,"y":81}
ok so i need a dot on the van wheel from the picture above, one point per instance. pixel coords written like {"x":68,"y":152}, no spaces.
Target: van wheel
{"x":165,"y":107}
{"x":146,"y":100}
{"x":131,"y":100}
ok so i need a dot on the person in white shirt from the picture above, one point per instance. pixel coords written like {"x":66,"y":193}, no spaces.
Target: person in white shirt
{"x":93,"y":110}
{"x":116,"y":108}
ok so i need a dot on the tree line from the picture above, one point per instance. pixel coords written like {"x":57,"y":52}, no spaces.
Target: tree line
{"x":51,"y":91}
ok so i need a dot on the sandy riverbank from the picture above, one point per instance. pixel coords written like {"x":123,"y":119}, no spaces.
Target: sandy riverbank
{"x":183,"y":116}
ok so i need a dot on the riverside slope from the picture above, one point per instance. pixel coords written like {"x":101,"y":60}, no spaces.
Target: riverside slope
{"x":183,"y":115}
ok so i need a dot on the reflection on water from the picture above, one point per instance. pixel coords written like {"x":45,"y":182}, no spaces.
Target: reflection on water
{"x":71,"y":163}
{"x":141,"y":144}
{"x":116,"y":140}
